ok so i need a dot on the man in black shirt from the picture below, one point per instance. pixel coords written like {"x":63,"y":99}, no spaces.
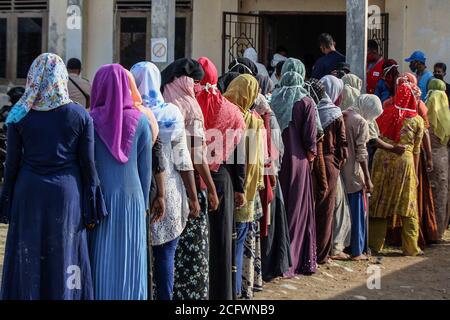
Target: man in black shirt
{"x":331,"y":59}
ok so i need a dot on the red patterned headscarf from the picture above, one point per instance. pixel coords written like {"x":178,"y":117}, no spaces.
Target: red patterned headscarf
{"x":403,"y":106}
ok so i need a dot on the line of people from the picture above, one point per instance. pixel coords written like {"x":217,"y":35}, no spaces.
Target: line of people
{"x":183,"y":185}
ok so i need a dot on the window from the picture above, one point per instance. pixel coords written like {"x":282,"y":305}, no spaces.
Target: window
{"x":133,"y":40}
{"x":133,"y":31}
{"x":23,"y":36}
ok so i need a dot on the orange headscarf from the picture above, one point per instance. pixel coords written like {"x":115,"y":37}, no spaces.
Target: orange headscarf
{"x":137,"y":102}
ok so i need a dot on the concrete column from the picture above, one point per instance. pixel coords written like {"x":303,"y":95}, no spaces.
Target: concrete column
{"x":163,"y":26}
{"x":74,"y":26}
{"x":57,"y":28}
{"x":357,"y":16}
{"x":99,"y":44}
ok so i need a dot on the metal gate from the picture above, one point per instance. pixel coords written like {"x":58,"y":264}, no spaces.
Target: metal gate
{"x":240,"y":31}
{"x":380,"y":33}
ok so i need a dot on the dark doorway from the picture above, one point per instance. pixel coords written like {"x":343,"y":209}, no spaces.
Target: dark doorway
{"x":298,"y":33}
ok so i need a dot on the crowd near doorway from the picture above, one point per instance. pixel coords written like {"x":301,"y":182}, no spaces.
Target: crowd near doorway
{"x":297,"y":32}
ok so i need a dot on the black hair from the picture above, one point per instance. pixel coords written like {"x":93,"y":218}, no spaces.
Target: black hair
{"x":326,"y":40}
{"x":441,"y":65}
{"x":15,"y":94}
{"x":74,"y":64}
{"x":372,"y":45}
{"x":281,"y":49}
{"x":279,"y":67}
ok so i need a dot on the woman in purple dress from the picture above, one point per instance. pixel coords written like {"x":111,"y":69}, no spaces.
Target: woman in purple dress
{"x":297,"y":116}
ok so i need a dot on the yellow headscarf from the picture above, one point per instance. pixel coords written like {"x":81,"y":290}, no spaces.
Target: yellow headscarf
{"x":438,"y":110}
{"x":137,"y":102}
{"x":243,"y":92}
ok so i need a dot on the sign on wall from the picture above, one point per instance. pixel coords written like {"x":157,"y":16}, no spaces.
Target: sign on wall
{"x":159,"y":50}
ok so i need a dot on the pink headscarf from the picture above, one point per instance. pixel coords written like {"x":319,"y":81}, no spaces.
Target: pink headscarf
{"x":112,"y":108}
{"x":181,"y":93}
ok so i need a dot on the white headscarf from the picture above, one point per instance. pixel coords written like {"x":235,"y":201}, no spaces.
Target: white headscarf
{"x":169,"y":117}
{"x":328,"y":110}
{"x":369,"y":106}
{"x":250,"y":53}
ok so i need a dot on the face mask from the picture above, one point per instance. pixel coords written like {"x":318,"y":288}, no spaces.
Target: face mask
{"x":371,"y":58}
{"x":439,"y":76}
{"x":413,"y":67}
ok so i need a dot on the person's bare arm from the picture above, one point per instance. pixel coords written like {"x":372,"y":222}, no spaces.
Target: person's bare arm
{"x":367,"y":180}
{"x":191,"y":189}
{"x":202,"y":168}
{"x":159,"y":204}
{"x":398,"y":149}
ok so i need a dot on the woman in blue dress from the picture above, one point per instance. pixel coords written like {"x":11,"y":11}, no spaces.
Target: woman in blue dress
{"x":123,"y":154}
{"x":51,"y":191}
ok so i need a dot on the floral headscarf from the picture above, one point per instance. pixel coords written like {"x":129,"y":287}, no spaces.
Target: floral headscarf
{"x":46,"y":87}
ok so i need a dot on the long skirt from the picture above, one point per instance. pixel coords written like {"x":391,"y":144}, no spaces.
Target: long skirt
{"x":220,"y":239}
{"x":342,"y":222}
{"x":192,"y":257}
{"x":275,"y":248}
{"x":119,"y":260}
{"x":440,"y":184}
{"x":325,"y":211}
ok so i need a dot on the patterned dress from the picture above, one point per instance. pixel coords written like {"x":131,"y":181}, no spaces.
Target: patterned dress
{"x":192,"y":257}
{"x":252,"y":274}
{"x":394,"y":176}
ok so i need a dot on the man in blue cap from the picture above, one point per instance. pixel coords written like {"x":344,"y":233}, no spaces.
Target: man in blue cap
{"x":417,"y":64}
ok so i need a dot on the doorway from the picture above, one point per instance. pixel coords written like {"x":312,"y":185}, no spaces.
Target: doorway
{"x":298,"y":33}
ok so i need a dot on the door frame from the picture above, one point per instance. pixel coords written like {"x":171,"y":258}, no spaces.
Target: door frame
{"x":117,"y":31}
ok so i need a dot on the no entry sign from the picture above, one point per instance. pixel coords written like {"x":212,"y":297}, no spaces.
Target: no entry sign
{"x":159,"y":49}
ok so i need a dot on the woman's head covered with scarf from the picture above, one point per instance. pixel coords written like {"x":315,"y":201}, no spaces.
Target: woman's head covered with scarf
{"x":182,"y":67}
{"x":138,"y":104}
{"x":168,"y":116}
{"x":46,"y":87}
{"x":403,"y":106}
{"x":352,"y":90}
{"x":112,"y":108}
{"x":266,"y":84}
{"x":220,"y":115}
{"x":438,"y":110}
{"x":243,"y":66}
{"x":294,"y":65}
{"x":291,"y":90}
{"x":369,"y":106}
{"x":328,"y":106}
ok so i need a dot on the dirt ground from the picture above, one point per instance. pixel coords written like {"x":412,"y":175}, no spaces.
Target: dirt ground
{"x":402,"y":278}
{"x":421,"y":278}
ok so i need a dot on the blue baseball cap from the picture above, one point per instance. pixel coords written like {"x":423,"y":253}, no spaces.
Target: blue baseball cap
{"x":417,"y":56}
